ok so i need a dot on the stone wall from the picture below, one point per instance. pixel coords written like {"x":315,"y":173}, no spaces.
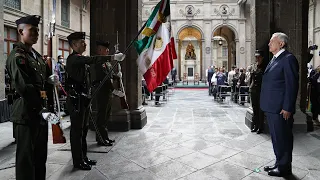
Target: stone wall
{"x":2,"y":60}
{"x":125,"y":17}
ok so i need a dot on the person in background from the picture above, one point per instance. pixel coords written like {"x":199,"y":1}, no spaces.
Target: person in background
{"x":314,"y":80}
{"x":221,"y":79}
{"x":230,"y":75}
{"x":210,"y":74}
{"x":174,"y":74}
{"x":60,"y":67}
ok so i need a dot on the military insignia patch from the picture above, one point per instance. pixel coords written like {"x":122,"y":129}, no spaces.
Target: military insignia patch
{"x":21,"y":61}
{"x":20,"y":55}
{"x":158,"y":44}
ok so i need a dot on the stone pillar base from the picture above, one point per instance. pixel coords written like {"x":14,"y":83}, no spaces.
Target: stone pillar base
{"x":249,"y":119}
{"x":119,"y":121}
{"x":138,"y":118}
{"x":302,"y":121}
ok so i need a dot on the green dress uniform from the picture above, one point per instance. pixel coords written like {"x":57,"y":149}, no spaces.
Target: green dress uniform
{"x":29,"y":74}
{"x":78,"y":101}
{"x":255,"y":90}
{"x":103,"y":99}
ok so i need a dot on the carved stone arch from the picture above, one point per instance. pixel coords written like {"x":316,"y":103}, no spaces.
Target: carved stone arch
{"x":230,"y":26}
{"x":196,"y":27}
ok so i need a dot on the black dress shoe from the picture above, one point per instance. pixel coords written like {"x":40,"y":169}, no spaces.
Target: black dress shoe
{"x":111,"y":140}
{"x":90,"y":162}
{"x":259,"y":131}
{"x":254,"y":130}
{"x":82,"y":166}
{"x":269,"y":168}
{"x":105,"y":143}
{"x":276,"y":172}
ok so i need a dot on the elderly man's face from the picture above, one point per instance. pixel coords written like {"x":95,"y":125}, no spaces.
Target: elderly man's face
{"x":275,"y":45}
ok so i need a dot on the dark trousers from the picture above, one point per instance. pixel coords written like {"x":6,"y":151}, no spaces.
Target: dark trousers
{"x":315,"y":104}
{"x":31,"y":151}
{"x":104,"y":102}
{"x":79,"y":128}
{"x":282,"y":139}
{"x":158,"y":91}
{"x":258,"y":115}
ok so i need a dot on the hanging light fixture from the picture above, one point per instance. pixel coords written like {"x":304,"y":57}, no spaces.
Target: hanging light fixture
{"x":220,"y":40}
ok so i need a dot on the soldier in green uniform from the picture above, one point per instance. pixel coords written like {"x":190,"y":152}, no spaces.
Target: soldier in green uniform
{"x":79,"y":93}
{"x":31,"y":83}
{"x":255,"y":89}
{"x":104,"y":96}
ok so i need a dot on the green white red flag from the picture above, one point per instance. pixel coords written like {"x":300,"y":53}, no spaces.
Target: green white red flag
{"x":157,"y":49}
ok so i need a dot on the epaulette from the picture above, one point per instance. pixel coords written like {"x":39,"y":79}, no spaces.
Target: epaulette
{"x":20,"y":53}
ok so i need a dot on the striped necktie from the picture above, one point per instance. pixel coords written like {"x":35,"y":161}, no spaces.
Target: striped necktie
{"x":272,"y":60}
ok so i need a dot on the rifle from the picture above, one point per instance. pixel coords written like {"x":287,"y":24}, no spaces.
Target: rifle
{"x":57,"y":133}
{"x":123,"y":100}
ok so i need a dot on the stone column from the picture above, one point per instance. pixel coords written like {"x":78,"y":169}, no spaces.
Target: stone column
{"x":2,"y":61}
{"x":106,"y":18}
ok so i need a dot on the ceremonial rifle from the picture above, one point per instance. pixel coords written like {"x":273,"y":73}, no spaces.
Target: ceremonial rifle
{"x":57,"y":133}
{"x":123,"y":100}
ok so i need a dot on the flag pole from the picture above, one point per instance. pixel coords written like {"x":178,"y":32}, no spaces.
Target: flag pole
{"x":131,"y":43}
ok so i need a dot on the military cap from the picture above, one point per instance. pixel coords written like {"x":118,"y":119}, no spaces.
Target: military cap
{"x":102,"y":43}
{"x":32,"y":19}
{"x":258,"y":53}
{"x":76,"y":36}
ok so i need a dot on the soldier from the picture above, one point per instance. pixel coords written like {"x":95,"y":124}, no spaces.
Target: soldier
{"x":79,"y":97}
{"x":30,"y":78}
{"x":255,"y":89}
{"x":104,"y":96}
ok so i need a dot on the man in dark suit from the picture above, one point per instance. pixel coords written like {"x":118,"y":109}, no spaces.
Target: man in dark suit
{"x":278,"y":100}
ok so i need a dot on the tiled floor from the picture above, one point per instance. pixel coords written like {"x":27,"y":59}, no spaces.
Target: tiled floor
{"x":191,"y":137}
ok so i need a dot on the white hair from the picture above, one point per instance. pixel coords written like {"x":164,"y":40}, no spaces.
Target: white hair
{"x":282,"y":37}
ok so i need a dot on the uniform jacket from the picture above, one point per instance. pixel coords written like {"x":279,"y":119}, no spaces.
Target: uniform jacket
{"x":29,"y":76}
{"x":76,"y":67}
{"x":280,"y":84}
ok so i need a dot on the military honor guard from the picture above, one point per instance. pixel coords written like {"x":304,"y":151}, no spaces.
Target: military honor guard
{"x":104,"y":94}
{"x":31,"y":88}
{"x":255,"y":90}
{"x":79,"y":94}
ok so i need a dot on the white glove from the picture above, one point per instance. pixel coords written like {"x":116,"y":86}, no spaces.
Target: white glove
{"x":118,"y":93}
{"x":54,"y":79}
{"x":50,"y":117}
{"x":119,"y":75}
{"x":119,"y":57}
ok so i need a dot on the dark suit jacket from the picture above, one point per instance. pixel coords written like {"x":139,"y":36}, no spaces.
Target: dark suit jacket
{"x":280,"y":84}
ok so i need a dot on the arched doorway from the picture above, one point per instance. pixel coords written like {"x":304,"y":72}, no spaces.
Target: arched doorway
{"x":189,"y":53}
{"x":224,"y":48}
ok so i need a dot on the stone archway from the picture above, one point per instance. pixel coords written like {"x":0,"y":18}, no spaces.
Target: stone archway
{"x":189,"y":39}
{"x":224,"y":41}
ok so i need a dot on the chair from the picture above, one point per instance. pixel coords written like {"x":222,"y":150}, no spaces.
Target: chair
{"x":185,"y":78}
{"x":223,"y":92}
{"x":171,"y":88}
{"x":196,"y":78}
{"x":243,"y":94}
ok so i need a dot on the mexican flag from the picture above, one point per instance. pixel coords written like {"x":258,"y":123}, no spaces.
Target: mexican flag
{"x":156,"y":50}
